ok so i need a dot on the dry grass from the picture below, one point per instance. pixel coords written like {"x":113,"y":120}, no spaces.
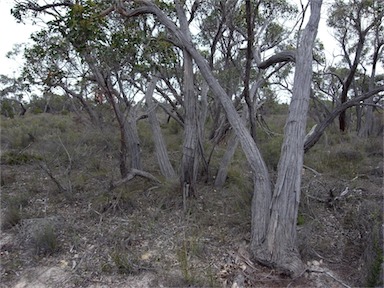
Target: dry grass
{"x":141,"y":228}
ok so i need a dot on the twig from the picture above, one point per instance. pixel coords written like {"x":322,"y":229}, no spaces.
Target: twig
{"x":69,"y":168}
{"x":317,"y":199}
{"x":330,"y":275}
{"x":46,"y":170}
{"x":312,"y":170}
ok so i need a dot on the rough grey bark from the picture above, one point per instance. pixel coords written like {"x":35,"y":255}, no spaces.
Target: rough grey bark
{"x":284,"y":56}
{"x":161,"y":150}
{"x":188,"y":174}
{"x":133,"y":139}
{"x":222,"y":172}
{"x":201,"y":119}
{"x":248,"y":66}
{"x":261,"y":202}
{"x":129,"y":139}
{"x":369,"y":125}
{"x":279,"y":248}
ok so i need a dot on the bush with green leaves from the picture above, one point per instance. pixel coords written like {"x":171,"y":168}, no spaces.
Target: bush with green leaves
{"x":19,"y":158}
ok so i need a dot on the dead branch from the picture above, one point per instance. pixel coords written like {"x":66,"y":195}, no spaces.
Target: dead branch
{"x":53,"y":178}
{"x":330,"y":275}
{"x":132,"y":174}
{"x":284,"y":56}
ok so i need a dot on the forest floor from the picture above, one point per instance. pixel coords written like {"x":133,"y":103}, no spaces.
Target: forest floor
{"x":141,"y":234}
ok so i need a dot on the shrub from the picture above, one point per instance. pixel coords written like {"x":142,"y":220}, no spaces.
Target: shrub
{"x":19,"y":158}
{"x":270,"y":150}
{"x":124,"y":261}
{"x":11,"y":217}
{"x":45,"y":240}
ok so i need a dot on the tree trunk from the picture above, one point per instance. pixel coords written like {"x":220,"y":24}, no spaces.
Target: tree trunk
{"x":320,"y":128}
{"x":133,"y":140}
{"x":222,"y":172}
{"x":201,"y":119}
{"x":287,"y":189}
{"x":247,"y":76}
{"x":279,"y":248}
{"x":160,"y":147}
{"x":369,"y":125}
{"x":188,"y":165}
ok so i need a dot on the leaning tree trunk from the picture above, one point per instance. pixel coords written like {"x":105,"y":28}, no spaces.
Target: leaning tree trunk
{"x":160,"y":147}
{"x":320,"y":128}
{"x":261,"y":202}
{"x":201,"y":119}
{"x":222,"y":172}
{"x":133,"y":139}
{"x":369,"y":125}
{"x":188,"y":165}
{"x":188,"y":173}
{"x":279,"y":248}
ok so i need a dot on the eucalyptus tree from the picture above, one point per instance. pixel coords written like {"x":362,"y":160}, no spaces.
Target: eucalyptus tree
{"x":12,"y":92}
{"x":52,"y":64}
{"x":354,"y":80}
{"x":234,"y":35}
{"x":86,"y":53}
{"x":357,"y":26}
{"x":274,"y":208}
{"x":273,"y":237}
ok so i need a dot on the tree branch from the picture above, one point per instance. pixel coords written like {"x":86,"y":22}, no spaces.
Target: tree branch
{"x":132,"y":174}
{"x":284,"y":56}
{"x":312,"y":140}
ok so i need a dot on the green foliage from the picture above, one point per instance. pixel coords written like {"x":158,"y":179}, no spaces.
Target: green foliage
{"x":270,"y":148}
{"x":300,"y":220}
{"x":146,"y":137}
{"x":19,"y":158}
{"x":375,"y":278}
{"x":7,"y":109}
{"x":343,"y":158}
{"x":20,"y":133}
{"x":50,"y":103}
{"x":173,"y":127}
{"x":125,"y":262}
{"x":85,"y":24}
{"x":345,"y":153}
{"x":185,"y":266}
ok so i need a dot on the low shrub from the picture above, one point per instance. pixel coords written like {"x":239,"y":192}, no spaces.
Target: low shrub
{"x":124,"y":261}
{"x":11,"y":217}
{"x":19,"y":158}
{"x":45,"y":240}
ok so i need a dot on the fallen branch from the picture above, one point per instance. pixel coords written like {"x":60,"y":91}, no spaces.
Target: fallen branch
{"x":330,"y":275}
{"x":312,"y":170}
{"x":53,"y":178}
{"x":132,"y":174}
